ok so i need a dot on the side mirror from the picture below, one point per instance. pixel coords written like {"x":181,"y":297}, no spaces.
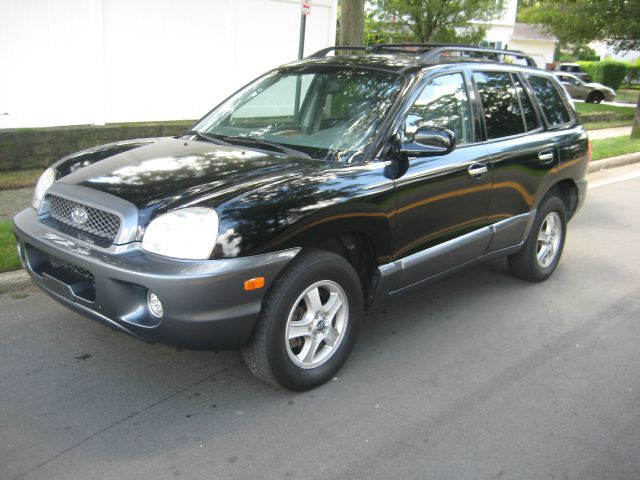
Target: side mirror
{"x":429,"y":141}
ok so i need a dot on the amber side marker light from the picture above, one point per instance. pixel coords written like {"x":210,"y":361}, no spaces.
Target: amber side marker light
{"x":254,"y":283}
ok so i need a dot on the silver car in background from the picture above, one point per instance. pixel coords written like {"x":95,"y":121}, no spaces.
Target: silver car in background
{"x":589,"y":92}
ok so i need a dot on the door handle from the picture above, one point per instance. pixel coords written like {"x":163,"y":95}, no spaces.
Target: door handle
{"x":476,"y":171}
{"x":545,"y":157}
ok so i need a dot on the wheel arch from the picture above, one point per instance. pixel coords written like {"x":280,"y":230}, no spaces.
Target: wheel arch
{"x":567,"y":191}
{"x":360,"y":251}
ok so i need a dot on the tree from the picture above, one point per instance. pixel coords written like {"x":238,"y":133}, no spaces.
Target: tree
{"x":615,"y":22}
{"x":433,"y":20}
{"x":351,"y":22}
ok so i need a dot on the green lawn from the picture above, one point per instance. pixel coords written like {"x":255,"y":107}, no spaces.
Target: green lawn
{"x":8,"y":254}
{"x":612,"y":147}
{"x":590,"y":108}
{"x":19,"y":179}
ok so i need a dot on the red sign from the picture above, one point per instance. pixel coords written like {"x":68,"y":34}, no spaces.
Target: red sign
{"x":306,"y":7}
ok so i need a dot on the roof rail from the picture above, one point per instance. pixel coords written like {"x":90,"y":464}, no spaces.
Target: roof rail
{"x":434,"y":52}
{"x":434,"y":55}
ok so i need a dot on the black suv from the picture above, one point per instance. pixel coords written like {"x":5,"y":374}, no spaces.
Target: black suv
{"x":323,"y":187}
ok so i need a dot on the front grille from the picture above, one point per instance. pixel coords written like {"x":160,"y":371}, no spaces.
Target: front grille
{"x":94,"y":221}
{"x":61,"y":264}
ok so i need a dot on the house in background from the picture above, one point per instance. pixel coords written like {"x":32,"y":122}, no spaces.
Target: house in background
{"x":505,"y":33}
{"x":530,"y":39}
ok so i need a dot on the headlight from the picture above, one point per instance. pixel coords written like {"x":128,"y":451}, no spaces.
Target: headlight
{"x":46,"y":180}
{"x":189,"y":233}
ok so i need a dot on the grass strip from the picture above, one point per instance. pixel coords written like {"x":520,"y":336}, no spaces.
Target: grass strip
{"x":583,"y":107}
{"x":8,"y":254}
{"x":612,"y":147}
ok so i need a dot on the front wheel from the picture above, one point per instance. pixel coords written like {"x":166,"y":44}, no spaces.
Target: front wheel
{"x":541,"y":252}
{"x":308,"y":323}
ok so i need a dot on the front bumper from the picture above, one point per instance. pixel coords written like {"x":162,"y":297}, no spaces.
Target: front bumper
{"x":205,"y":304}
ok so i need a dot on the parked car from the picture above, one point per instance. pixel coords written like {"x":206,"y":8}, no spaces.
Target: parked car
{"x":318,"y":191}
{"x":589,"y":92}
{"x":574,"y":69}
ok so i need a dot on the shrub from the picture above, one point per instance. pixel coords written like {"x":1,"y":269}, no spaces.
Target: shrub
{"x":613,"y":73}
{"x":592,"y":69}
{"x":609,"y":72}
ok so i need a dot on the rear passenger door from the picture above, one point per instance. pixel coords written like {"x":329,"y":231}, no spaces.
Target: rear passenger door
{"x":521,"y":152}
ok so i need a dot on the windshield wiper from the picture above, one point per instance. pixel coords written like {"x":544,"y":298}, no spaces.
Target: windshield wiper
{"x":259,"y":141}
{"x":206,"y":138}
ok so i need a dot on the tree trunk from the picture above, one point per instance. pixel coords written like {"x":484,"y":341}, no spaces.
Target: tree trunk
{"x":352,"y":22}
{"x":635,"y":130}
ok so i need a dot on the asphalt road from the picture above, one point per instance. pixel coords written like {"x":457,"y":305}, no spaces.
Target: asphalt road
{"x":480,"y":376}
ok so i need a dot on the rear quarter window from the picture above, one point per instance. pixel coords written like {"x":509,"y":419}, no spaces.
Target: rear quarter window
{"x":550,"y":99}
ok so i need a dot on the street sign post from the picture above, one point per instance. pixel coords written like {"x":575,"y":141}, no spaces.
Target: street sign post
{"x":305,"y":10}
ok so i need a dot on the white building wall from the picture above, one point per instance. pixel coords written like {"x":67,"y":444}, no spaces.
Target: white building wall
{"x":541,"y":51}
{"x":70,"y":62}
{"x":501,"y":29}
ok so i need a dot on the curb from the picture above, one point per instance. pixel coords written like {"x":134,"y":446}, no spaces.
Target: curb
{"x":14,"y":281}
{"x":18,"y":280}
{"x":612,"y":162}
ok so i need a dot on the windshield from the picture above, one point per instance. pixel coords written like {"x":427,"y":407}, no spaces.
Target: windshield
{"x":326,"y":113}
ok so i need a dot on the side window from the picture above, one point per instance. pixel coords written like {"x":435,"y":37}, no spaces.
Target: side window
{"x":443,"y":103}
{"x":502,"y":114}
{"x":528,"y":113}
{"x":550,"y":100}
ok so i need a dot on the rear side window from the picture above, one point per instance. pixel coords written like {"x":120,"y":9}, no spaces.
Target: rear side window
{"x":550,"y":100}
{"x":502,"y":113}
{"x":528,"y":113}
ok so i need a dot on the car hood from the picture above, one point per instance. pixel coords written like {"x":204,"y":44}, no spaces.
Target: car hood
{"x":171,"y":173}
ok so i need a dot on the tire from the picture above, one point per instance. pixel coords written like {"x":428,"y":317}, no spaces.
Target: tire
{"x":595,"y":97}
{"x":299,"y":315}
{"x":541,"y":252}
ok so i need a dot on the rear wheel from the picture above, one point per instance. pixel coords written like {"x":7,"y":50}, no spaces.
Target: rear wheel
{"x":308,"y":323}
{"x":541,"y":252}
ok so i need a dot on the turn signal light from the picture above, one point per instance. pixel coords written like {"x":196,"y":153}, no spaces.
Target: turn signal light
{"x":590,"y":152}
{"x":254,"y":283}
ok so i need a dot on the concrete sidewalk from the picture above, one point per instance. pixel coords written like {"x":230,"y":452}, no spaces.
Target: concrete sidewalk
{"x":609,"y":133}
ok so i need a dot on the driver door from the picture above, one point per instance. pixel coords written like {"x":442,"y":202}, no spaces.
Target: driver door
{"x":442,"y":201}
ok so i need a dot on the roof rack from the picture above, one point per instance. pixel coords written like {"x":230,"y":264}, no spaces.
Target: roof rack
{"x":431,"y":53}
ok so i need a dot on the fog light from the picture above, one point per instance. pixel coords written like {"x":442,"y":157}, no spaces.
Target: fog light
{"x":155,"y":306}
